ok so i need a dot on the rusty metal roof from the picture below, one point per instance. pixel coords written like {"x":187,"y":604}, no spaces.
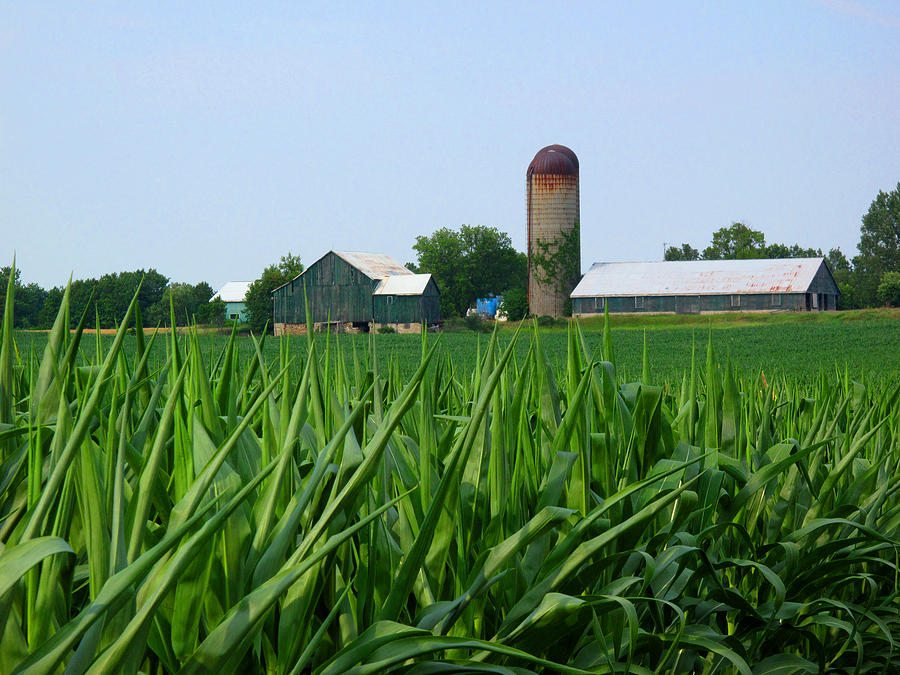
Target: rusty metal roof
{"x":698,"y":277}
{"x":373,"y":265}
{"x":555,"y":159}
{"x":233,"y":291}
{"x":402,"y":284}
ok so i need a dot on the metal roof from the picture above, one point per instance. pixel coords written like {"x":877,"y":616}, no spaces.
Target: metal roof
{"x":373,"y":265}
{"x":698,"y":277}
{"x":554,"y":159}
{"x":233,"y":291}
{"x":402,"y":284}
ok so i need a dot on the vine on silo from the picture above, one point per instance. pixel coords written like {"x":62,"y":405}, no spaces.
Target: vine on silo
{"x":555,"y":263}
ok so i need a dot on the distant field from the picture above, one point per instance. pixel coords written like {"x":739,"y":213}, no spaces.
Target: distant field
{"x":864,"y":344}
{"x":800,"y":349}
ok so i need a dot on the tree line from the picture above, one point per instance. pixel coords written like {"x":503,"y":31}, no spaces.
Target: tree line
{"x":106,"y":299}
{"x":467,"y":264}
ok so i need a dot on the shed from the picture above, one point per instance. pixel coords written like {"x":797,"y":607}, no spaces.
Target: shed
{"x":698,"y":286}
{"x":409,"y":299}
{"x":340,"y":288}
{"x":233,"y":295}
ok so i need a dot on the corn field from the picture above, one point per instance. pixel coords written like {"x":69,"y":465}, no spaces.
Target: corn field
{"x":322,"y":513}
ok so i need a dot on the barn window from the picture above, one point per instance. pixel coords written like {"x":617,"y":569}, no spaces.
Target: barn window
{"x":776,"y":299}
{"x":598,"y":303}
{"x":735,"y":301}
{"x":638,"y":302}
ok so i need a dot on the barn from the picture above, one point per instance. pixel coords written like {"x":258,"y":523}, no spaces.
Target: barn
{"x":233,"y":294}
{"x":700,"y":286}
{"x":356,"y":291}
{"x":406,"y":301}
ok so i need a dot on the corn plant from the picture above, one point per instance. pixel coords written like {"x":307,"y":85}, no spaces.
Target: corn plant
{"x":321,"y":513}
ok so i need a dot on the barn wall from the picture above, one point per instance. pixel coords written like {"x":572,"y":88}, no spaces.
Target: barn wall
{"x":336,"y":291}
{"x":412,"y":309}
{"x":823,"y":282}
{"x":693,"y":304}
{"x":236,"y":308}
{"x":824,"y":286}
{"x":397,"y":308}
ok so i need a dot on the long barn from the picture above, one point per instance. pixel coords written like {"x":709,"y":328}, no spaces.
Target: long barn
{"x":356,"y":291}
{"x":699,"y":286}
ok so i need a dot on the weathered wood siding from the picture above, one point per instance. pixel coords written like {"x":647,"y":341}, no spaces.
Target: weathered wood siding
{"x":414,"y":309}
{"x":693,"y":304}
{"x":335,"y":290}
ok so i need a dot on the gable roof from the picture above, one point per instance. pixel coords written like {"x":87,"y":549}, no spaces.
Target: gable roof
{"x":698,"y":277}
{"x":373,"y":265}
{"x":233,"y":291}
{"x":402,"y":284}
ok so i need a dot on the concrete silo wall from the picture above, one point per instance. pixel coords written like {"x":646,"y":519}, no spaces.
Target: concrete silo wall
{"x":553,"y":211}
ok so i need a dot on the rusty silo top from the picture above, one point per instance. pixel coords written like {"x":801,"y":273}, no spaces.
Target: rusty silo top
{"x":555,"y":160}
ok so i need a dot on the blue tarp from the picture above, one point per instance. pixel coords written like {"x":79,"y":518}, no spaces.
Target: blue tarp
{"x":488,"y":306}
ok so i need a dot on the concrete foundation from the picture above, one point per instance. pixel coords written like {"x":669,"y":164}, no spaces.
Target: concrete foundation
{"x":344,"y":327}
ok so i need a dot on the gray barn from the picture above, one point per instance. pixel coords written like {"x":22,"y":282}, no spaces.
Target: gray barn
{"x":347,"y":290}
{"x":697,"y":286}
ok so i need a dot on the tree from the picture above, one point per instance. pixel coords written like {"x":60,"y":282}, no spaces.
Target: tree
{"x":212,"y":313}
{"x":442,"y":255}
{"x":736,"y":241}
{"x":81,"y":296}
{"x":258,"y":300}
{"x":842,"y":271}
{"x":793,"y":251}
{"x":474,"y":262}
{"x":113,"y":293}
{"x":189,"y":302}
{"x":28,"y":300}
{"x":686,"y":252}
{"x":515,"y":303}
{"x":879,"y":245}
{"x":209,"y":312}
{"x":837,"y":261}
{"x":889,"y":289}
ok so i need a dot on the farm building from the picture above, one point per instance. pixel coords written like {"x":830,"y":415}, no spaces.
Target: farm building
{"x":697,"y":286}
{"x":233,"y":294}
{"x":553,"y":214}
{"x":406,"y":299}
{"x":356,"y":291}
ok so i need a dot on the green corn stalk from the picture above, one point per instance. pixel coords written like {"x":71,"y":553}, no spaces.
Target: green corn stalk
{"x":199,"y":503}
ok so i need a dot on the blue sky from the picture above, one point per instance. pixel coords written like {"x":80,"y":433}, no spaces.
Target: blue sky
{"x":208,"y":139}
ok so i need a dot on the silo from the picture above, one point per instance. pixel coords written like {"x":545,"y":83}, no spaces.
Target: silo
{"x":554,"y":242}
